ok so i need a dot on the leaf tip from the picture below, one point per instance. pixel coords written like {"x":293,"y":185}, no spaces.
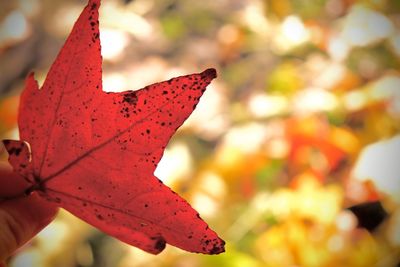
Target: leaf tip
{"x":30,"y":80}
{"x":94,"y":4}
{"x":218,"y":247}
{"x":210,"y":73}
{"x":30,"y":76}
{"x":5,"y":141}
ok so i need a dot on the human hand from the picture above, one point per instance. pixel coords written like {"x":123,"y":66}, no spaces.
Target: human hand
{"x":21,"y":218}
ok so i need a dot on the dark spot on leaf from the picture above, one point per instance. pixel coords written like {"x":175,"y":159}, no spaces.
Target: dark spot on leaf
{"x":15,"y":151}
{"x":130,"y":98}
{"x":160,"y":243}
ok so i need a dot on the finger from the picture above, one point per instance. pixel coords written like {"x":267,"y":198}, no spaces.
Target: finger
{"x":20,"y":218}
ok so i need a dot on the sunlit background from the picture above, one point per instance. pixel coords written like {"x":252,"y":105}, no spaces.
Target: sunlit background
{"x":302,"y":122}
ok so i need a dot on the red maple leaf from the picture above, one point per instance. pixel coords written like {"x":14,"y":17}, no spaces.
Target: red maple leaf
{"x":94,"y":153}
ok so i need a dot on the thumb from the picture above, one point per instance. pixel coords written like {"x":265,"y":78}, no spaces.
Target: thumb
{"x":20,"y":218}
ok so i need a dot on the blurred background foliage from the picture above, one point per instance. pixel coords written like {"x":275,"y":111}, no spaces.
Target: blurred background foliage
{"x":301,"y":124}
